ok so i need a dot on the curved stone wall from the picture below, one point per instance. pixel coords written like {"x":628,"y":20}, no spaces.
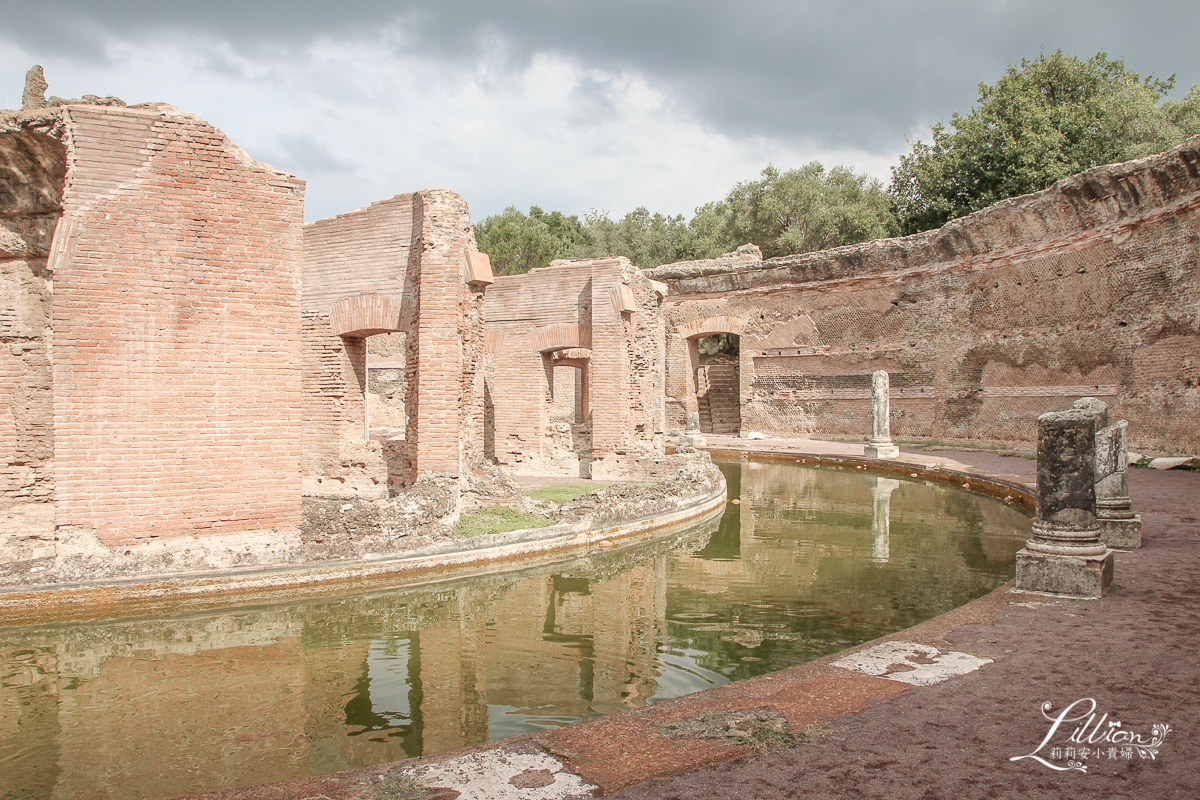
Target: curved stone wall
{"x":1090,"y":287}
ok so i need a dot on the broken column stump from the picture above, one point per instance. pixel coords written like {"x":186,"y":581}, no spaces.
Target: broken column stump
{"x":1119,"y":526}
{"x":692,"y":437}
{"x":1065,"y":554}
{"x":881,"y":445}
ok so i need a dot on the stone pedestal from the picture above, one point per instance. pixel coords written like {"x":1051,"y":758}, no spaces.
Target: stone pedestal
{"x":1123,"y":533}
{"x":881,"y":450}
{"x":692,"y":437}
{"x":1065,"y":555}
{"x":880,"y":444}
{"x":1077,"y":576}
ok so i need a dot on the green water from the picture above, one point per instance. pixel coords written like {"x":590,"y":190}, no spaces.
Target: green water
{"x":808,"y":563}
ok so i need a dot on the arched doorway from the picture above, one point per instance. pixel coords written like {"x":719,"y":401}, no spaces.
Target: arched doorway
{"x":718,"y":383}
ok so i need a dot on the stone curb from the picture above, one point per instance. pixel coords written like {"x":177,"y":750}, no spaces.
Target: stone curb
{"x":441,"y":562}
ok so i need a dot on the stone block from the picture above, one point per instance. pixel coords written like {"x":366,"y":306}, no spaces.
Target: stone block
{"x":1123,"y":533}
{"x":1054,"y":573}
{"x":882,"y":451}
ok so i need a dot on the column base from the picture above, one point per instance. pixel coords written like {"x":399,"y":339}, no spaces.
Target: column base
{"x":697,"y":441}
{"x":1123,"y":533}
{"x":882,"y":451}
{"x":1076,"y":576}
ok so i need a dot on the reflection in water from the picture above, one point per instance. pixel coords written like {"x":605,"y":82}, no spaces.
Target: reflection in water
{"x":881,"y":517}
{"x":807,"y":564}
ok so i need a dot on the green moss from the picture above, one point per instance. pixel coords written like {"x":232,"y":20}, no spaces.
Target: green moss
{"x":401,"y":789}
{"x":563,"y":492}
{"x":498,"y":519}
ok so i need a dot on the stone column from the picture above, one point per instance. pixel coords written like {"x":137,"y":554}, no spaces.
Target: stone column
{"x":1066,"y":555}
{"x":692,"y":437}
{"x":1119,"y":526}
{"x":881,"y":517}
{"x":880,"y":445}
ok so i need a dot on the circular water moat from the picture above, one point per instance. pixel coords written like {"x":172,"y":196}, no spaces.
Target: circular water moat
{"x":807,"y":563}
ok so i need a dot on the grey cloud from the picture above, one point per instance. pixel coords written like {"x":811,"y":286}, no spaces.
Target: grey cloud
{"x":303,"y":154}
{"x":835,"y":74}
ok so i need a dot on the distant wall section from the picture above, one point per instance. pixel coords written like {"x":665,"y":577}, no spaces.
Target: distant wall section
{"x":1088,"y":288}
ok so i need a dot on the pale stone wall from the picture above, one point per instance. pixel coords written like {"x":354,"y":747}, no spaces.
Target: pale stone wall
{"x":1088,"y":288}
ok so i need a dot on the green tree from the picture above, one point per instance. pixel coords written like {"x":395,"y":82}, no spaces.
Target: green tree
{"x":646,"y":239}
{"x":783,"y":212}
{"x":799,"y":211}
{"x":1042,"y":121}
{"x":518,"y":242}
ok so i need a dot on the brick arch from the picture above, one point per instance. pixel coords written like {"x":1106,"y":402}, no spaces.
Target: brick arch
{"x":366,"y":315}
{"x":709,"y":326}
{"x":560,"y":336}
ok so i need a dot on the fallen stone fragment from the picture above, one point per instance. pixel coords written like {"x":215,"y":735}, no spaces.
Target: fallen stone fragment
{"x":1178,"y":462}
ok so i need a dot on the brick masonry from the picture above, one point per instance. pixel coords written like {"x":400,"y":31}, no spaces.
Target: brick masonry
{"x":175,"y":265}
{"x":565,"y":317}
{"x":412,"y":249}
{"x":1088,"y":288}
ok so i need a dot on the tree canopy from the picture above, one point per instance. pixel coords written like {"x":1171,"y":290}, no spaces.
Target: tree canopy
{"x":799,"y":211}
{"x":796,"y":211}
{"x":1043,"y":120}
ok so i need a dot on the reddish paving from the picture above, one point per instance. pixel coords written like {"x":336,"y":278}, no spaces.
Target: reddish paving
{"x":1134,"y":652}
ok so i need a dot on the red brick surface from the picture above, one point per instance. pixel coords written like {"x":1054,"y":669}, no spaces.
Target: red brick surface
{"x":176,"y":323}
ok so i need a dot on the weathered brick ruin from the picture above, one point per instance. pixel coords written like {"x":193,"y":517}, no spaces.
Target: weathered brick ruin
{"x":1090,"y":288}
{"x":574,"y":369}
{"x":150,"y":318}
{"x":399,"y":266}
{"x":214,"y":360}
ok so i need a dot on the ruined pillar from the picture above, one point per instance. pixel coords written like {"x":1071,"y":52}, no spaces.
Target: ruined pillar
{"x":881,"y":517}
{"x":1119,"y":526}
{"x":692,"y":437}
{"x":1065,"y":555}
{"x":880,"y":445}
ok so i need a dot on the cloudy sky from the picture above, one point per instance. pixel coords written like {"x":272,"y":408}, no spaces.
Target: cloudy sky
{"x":568,"y":105}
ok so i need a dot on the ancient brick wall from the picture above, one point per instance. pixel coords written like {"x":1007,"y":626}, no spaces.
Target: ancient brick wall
{"x":600,"y":316}
{"x":359,"y":253}
{"x":1088,"y":288}
{"x":176,"y":316}
{"x":411,"y":248}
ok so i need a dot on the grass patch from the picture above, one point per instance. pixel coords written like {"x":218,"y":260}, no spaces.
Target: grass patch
{"x":760,"y":729}
{"x":401,"y":789}
{"x":563,"y":492}
{"x":498,"y":519}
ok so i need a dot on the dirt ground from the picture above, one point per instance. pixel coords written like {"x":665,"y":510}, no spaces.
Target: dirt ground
{"x":1136,"y":653}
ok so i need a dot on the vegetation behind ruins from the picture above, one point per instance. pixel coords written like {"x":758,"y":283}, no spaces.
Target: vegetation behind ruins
{"x":1042,"y":121}
{"x":1049,"y":118}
